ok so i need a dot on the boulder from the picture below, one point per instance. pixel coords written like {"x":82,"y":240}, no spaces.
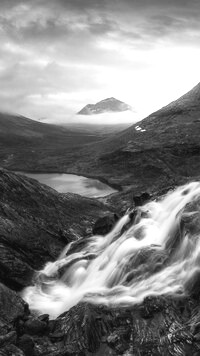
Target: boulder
{"x":11,"y":350}
{"x":26,"y":344}
{"x":105,"y":224}
{"x":35,"y":326}
{"x":141,"y":199}
{"x":12,"y":308}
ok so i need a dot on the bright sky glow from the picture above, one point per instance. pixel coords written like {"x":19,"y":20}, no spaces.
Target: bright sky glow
{"x":57,"y":56}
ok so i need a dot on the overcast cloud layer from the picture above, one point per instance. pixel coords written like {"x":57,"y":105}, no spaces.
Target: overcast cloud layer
{"x":58,"y":55}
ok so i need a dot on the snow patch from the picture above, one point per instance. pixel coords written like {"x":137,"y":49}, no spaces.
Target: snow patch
{"x":138,"y":128}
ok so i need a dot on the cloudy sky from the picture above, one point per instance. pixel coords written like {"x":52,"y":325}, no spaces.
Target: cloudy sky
{"x":58,"y":55}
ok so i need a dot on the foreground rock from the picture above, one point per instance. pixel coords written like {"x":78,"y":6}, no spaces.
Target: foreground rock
{"x":105,"y":224}
{"x":12,"y":309}
{"x":160,"y":326}
{"x":36,"y":223}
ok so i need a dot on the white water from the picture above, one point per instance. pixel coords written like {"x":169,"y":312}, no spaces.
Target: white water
{"x":157,"y":254}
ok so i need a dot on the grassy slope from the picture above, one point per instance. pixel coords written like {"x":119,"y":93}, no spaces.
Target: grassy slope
{"x":24,"y":142}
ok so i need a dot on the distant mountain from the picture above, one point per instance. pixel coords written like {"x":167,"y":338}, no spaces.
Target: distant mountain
{"x":106,"y":105}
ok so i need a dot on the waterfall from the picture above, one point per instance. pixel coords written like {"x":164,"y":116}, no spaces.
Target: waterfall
{"x":156,"y":254}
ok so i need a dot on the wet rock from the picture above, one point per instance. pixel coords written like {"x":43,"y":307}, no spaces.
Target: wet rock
{"x":44,"y":317}
{"x":105,"y":224}
{"x":120,"y":202}
{"x":51,"y":325}
{"x":159,"y":326}
{"x":45,"y":347}
{"x":144,"y":263}
{"x":197,"y":337}
{"x":118,"y":340}
{"x":151,"y":306}
{"x":11,"y":350}
{"x":10,"y":338}
{"x":81,"y":328}
{"x":141,"y":199}
{"x":162,"y":330}
{"x":12,"y":307}
{"x":26,"y":344}
{"x":104,"y":350}
{"x":35,"y":326}
{"x":21,"y":274}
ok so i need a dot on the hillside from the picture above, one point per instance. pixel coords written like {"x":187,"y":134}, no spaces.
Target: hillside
{"x":36,"y":223}
{"x":21,"y":131}
{"x":164,"y":148}
{"x":159,"y":151}
{"x":23,"y":141}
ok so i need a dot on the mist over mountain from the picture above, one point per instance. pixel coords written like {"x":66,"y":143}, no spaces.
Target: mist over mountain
{"x":103,"y":106}
{"x":106,"y":112}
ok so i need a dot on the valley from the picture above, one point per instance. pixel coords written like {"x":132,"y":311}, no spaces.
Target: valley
{"x":166,"y":153}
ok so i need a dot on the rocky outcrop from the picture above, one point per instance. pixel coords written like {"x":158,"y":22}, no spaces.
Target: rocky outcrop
{"x":36,"y":223}
{"x":160,"y":326}
{"x":105,"y":224}
{"x":12,"y":309}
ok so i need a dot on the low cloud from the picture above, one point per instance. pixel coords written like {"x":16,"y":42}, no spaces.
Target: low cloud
{"x":60,"y":52}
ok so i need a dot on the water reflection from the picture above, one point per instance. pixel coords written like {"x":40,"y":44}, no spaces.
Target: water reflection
{"x":71,"y":183}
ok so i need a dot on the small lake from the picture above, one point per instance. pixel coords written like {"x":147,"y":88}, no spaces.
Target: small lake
{"x":71,"y":183}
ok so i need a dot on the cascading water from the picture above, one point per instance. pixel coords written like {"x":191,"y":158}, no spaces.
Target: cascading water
{"x":158,"y":254}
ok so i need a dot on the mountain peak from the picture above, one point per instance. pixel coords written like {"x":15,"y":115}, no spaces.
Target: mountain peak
{"x":106,"y":105}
